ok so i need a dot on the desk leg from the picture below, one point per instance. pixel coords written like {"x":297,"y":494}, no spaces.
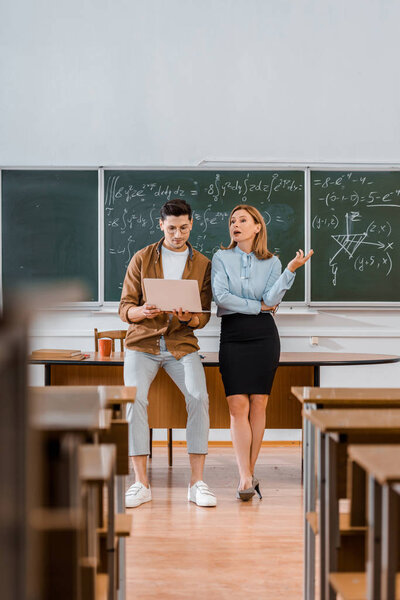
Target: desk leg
{"x":47,"y":374}
{"x":317,"y":376}
{"x":111,"y":536}
{"x":309,"y":506}
{"x":307,"y":528}
{"x":122,"y":544}
{"x":151,"y":443}
{"x":170,"y":447}
{"x":316,"y":384}
{"x":390,"y":542}
{"x":302,"y":454}
{"x":322,"y":507}
{"x":374,"y":540}
{"x":331,"y":516}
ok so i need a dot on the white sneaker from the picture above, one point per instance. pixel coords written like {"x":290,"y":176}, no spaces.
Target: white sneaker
{"x":137,"y":494}
{"x":201,"y":494}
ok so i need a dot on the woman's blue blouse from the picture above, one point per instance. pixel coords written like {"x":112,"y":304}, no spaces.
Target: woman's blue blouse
{"x":240,"y":281}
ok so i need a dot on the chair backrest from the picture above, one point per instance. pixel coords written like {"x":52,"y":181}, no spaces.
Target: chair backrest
{"x":118,"y":334}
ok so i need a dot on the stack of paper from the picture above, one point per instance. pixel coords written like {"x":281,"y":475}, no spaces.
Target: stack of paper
{"x":51,"y":354}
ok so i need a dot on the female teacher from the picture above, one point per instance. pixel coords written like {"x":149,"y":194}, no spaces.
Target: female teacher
{"x":248,"y":283}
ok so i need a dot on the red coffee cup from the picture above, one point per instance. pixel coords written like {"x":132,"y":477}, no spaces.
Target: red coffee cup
{"x":105,"y":347}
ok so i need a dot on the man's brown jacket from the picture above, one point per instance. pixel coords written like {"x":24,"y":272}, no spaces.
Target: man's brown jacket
{"x":145,"y":336}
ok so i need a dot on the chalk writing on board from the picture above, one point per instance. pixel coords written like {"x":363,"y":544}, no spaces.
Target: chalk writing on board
{"x":350,"y":209}
{"x":133,"y":201}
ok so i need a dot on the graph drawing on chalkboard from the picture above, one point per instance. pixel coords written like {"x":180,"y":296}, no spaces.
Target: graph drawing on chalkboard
{"x":355,"y":219}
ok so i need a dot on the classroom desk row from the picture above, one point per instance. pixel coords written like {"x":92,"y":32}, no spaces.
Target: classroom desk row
{"x":78,"y":460}
{"x":166,"y":406}
{"x":352,"y":560}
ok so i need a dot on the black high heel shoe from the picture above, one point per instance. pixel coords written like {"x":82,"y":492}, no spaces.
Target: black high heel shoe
{"x":256,"y":486}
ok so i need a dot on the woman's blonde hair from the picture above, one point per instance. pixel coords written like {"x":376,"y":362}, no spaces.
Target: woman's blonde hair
{"x":259,"y":248}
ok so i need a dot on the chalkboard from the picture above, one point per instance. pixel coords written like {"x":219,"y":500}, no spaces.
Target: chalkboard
{"x":132,"y":202}
{"x":355,"y":223}
{"x":50,"y":227}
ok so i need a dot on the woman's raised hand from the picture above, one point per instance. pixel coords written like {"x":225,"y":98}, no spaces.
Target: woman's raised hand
{"x":299,"y":260}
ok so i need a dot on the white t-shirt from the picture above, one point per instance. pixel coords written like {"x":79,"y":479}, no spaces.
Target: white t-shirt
{"x":173,"y":263}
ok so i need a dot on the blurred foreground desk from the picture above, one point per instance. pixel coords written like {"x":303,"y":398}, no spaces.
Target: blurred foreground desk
{"x":70,"y":482}
{"x":165,"y":412}
{"x":317,"y":398}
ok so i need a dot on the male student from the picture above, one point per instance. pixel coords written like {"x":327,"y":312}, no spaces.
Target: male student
{"x":157,"y":339}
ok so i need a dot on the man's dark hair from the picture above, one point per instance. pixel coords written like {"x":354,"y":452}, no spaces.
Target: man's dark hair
{"x":175,"y":208}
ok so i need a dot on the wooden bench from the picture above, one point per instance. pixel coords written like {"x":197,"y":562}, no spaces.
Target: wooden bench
{"x":61,"y":409}
{"x":353,"y":586}
{"x":63,"y":420}
{"x":97,"y":468}
{"x":336,"y":429}
{"x":382,"y":464}
{"x":315,"y":398}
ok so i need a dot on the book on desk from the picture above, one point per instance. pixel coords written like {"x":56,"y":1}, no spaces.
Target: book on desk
{"x":51,"y":354}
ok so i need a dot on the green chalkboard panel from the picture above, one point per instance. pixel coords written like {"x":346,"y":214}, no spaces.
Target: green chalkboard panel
{"x":355,"y":220}
{"x":133,"y":200}
{"x":50,"y":227}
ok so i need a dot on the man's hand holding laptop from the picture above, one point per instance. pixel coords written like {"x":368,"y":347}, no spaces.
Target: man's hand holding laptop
{"x":146,"y":311}
{"x":187,"y":317}
{"x":150,"y":311}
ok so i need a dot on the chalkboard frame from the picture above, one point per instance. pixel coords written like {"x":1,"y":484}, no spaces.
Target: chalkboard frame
{"x":337,"y":168}
{"x":307,"y":169}
{"x":94,"y":304}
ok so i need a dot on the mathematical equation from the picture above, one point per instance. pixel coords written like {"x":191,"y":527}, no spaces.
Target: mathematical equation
{"x":355,"y":190}
{"x":132,"y":208}
{"x":240,"y":187}
{"x":357,"y":235}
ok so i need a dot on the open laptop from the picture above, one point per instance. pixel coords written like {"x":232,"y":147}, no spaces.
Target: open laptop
{"x":170,"y":294}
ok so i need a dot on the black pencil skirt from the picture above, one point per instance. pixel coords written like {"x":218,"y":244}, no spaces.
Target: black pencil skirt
{"x":249,"y":353}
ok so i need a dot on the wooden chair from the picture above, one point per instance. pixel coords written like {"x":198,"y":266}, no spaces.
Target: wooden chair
{"x":117,"y":334}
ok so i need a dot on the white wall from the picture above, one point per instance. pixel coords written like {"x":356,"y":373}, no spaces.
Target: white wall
{"x":129,"y":83}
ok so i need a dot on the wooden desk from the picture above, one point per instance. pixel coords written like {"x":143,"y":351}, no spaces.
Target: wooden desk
{"x":382,"y":464}
{"x":353,"y":586}
{"x":65,"y":410}
{"x":166,"y":404}
{"x":97,"y":465}
{"x":354,"y":422}
{"x":70,"y":397}
{"x":283,"y":412}
{"x":313,"y":398}
{"x":337,"y":428}
{"x":89,"y":409}
{"x":352,"y":397}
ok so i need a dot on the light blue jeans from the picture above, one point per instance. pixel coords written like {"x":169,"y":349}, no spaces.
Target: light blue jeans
{"x":140,"y":368}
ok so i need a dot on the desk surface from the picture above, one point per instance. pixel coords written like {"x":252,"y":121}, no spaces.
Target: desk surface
{"x":77,"y":407}
{"x":383,"y":462}
{"x":96,"y":461}
{"x":210,"y":359}
{"x":348,"y":396}
{"x":360,"y":420}
{"x":107,"y":395}
{"x":64,"y":412}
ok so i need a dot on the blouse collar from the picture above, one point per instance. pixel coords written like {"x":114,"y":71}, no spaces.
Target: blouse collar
{"x":239,"y":251}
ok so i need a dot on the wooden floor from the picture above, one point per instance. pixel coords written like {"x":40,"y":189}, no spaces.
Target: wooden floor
{"x":179,"y":550}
